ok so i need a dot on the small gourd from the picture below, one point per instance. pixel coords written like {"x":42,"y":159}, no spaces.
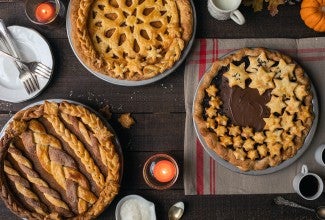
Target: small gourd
{"x":312,"y":12}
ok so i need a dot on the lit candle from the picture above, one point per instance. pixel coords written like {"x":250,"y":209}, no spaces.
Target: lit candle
{"x":45,"y":12}
{"x":164,"y":171}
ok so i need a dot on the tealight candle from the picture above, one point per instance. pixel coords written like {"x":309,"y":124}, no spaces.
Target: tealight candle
{"x":45,"y":12}
{"x":164,"y":171}
{"x":160,"y":171}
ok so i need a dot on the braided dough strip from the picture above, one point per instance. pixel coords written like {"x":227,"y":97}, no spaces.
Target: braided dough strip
{"x":31,"y":198}
{"x":51,"y":195}
{"x":108,"y":155}
{"x":61,"y":173}
{"x":78,"y":149}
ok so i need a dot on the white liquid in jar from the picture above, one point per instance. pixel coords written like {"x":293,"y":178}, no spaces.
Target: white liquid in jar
{"x":226,"y":4}
{"x":135,"y":209}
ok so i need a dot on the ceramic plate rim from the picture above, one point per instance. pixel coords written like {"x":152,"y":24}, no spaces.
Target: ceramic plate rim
{"x":33,"y":95}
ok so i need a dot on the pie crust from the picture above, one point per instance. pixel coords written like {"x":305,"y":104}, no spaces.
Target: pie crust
{"x":58,"y":161}
{"x":132,"y":39}
{"x":290,"y":109}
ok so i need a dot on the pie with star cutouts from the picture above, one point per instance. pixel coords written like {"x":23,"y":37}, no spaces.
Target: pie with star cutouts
{"x":254,"y":108}
{"x":130,"y":39}
{"x":58,"y":161}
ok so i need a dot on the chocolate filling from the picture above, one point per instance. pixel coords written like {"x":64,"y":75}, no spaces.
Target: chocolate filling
{"x":244,"y":107}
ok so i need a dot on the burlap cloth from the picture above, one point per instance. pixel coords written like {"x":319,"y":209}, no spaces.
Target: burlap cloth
{"x":202,"y":174}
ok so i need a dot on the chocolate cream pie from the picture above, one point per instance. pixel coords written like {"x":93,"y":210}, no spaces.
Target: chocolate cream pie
{"x":58,"y":161}
{"x":254,"y":108}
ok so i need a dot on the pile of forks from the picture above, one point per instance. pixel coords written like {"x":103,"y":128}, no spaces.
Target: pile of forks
{"x":28,"y":71}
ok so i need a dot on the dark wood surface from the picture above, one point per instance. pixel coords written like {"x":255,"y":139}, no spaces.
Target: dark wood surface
{"x":159,"y":111}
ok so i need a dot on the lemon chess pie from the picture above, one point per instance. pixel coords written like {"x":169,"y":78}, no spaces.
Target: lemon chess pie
{"x":254,"y":108}
{"x":130,"y":39}
{"x":58,"y":161}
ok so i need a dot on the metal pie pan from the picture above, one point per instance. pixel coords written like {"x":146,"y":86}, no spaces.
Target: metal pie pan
{"x":117,"y":144}
{"x":120,"y":82}
{"x":269,"y":170}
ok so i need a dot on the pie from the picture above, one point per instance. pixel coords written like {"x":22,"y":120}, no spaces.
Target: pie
{"x":58,"y":161}
{"x":254,"y":108}
{"x":130,"y":39}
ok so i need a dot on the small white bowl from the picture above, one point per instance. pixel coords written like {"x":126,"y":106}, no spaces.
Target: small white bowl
{"x":150,"y":205}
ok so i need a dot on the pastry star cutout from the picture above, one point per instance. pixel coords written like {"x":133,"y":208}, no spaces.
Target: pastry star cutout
{"x":276,"y":104}
{"x":272,"y":123}
{"x":284,"y":87}
{"x":287,"y":121}
{"x":283,"y":69}
{"x":304,"y":113}
{"x":212,"y":90}
{"x":261,"y":80}
{"x":256,"y":62}
{"x":272,"y":137}
{"x":292,"y":105}
{"x":237,"y":75}
{"x":297,"y":129}
{"x":301,"y":92}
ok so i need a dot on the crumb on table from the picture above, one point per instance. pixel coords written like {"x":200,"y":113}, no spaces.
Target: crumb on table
{"x":126,"y":120}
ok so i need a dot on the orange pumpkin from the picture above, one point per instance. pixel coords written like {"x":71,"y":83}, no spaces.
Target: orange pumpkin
{"x":312,"y":13}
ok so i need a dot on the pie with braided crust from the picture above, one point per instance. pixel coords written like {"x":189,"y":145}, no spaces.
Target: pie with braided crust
{"x":130,"y":39}
{"x":58,"y":161}
{"x":254,"y":108}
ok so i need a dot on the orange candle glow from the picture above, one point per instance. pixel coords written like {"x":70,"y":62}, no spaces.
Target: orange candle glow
{"x":45,"y":12}
{"x":164,"y":171}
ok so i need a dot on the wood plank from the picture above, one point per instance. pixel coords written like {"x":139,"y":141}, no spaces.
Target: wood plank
{"x":260,"y":24}
{"x":287,"y":24}
{"x":159,"y":132}
{"x":72,"y":81}
{"x":210,"y":207}
{"x":133,"y":166}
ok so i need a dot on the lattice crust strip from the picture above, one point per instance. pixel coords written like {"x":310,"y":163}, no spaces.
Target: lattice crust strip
{"x":74,"y":193}
{"x":130,"y":39}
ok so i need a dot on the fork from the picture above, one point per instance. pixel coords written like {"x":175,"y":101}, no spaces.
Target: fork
{"x":35,"y":67}
{"x":28,"y":79}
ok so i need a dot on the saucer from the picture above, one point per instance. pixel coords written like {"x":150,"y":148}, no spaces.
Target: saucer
{"x":32,"y":47}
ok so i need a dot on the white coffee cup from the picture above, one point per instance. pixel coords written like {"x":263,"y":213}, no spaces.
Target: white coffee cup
{"x":319,"y":155}
{"x":226,"y":9}
{"x":308,"y":185}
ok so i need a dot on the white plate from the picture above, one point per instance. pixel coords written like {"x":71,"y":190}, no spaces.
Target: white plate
{"x":139,"y":82}
{"x":32,"y":47}
{"x":151,"y":206}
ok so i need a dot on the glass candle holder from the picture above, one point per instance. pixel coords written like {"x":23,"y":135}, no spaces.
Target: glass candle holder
{"x":47,"y":13}
{"x":160,"y":171}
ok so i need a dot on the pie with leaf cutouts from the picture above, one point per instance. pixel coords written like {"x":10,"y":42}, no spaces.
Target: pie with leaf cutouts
{"x":58,"y":161}
{"x":130,"y":39}
{"x":254,"y":108}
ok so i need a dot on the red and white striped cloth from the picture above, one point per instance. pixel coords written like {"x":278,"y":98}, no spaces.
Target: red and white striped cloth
{"x":203,"y":175}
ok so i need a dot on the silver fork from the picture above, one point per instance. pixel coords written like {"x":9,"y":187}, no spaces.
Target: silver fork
{"x":35,"y":67}
{"x":28,"y":79}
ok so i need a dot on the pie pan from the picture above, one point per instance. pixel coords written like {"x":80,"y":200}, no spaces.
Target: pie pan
{"x":69,"y":170}
{"x":116,"y":140}
{"x":130,"y":82}
{"x":268,"y":170}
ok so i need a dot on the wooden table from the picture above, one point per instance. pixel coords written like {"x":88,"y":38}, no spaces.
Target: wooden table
{"x":160,"y":114}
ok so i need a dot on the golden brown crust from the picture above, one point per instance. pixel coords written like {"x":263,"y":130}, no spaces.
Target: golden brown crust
{"x":48,"y":173}
{"x":130,"y":40}
{"x":270,"y":153}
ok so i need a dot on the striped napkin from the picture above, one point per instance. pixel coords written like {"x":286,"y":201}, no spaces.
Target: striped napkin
{"x":202,"y":174}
